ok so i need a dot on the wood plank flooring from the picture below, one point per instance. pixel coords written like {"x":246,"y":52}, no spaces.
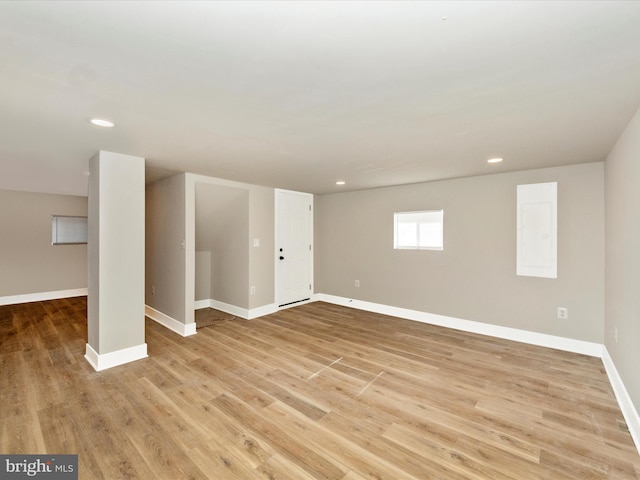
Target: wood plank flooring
{"x":313,"y":392}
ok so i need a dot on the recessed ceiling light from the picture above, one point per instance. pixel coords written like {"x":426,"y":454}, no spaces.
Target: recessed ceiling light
{"x":341,"y":182}
{"x":102,"y":123}
{"x":494,"y":160}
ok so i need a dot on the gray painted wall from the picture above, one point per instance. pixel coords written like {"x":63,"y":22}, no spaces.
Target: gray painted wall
{"x":28,"y":262}
{"x":222,"y":229}
{"x":260,"y":226}
{"x":622,"y":180}
{"x":474,"y":278}
{"x":203,"y":275}
{"x":165,"y":248}
{"x":170,"y":266}
{"x":262,"y":258}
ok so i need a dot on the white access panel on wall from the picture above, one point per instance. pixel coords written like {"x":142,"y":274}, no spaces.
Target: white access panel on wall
{"x":537,"y":243}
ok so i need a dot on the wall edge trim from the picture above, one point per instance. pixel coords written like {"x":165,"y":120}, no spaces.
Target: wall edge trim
{"x":624,"y":400}
{"x":43,"y":296}
{"x":230,"y":309}
{"x":541,"y":339}
{"x":171,"y":323}
{"x":104,"y":361}
{"x":247,"y":314}
{"x":200,"y":304}
{"x":262,"y":311}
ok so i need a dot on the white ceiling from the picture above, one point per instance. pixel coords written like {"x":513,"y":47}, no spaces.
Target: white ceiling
{"x":298,"y":95}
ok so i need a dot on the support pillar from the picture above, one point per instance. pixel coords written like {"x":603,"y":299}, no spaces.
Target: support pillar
{"x":116,"y":260}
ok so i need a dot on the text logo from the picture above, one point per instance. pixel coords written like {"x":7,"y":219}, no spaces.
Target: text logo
{"x":43,"y":467}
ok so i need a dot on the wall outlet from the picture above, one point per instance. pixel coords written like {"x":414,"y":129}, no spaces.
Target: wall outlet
{"x":563,"y":313}
{"x":615,"y":334}
{"x":153,"y":289}
{"x":358,"y":283}
{"x":256,"y":242}
{"x":252,"y":290}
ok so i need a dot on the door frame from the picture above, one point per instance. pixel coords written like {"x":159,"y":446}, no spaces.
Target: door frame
{"x":276,"y":253}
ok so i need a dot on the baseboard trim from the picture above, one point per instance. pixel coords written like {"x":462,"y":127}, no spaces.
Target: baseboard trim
{"x":228,"y":308}
{"x":262,"y":311}
{"x":247,"y":314}
{"x":200,"y":304}
{"x":624,"y":400}
{"x":113,"y":359}
{"x":507,"y":333}
{"x":171,"y":323}
{"x":43,"y":296}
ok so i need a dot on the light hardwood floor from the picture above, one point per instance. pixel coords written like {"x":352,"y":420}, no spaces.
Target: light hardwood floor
{"x":313,"y":392}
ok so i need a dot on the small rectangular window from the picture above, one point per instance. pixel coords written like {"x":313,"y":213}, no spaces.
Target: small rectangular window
{"x":67,"y":230}
{"x":419,"y":230}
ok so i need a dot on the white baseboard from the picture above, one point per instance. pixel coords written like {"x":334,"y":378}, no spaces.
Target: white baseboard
{"x":200,"y":304}
{"x":262,"y":311}
{"x":42,"y":296}
{"x":247,"y":314}
{"x":533,"y":338}
{"x":624,"y":400}
{"x":228,"y":308}
{"x":171,"y":323}
{"x":113,"y":359}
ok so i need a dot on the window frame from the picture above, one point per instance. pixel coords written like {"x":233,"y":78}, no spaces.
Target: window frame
{"x":397,"y":219}
{"x":69,"y":230}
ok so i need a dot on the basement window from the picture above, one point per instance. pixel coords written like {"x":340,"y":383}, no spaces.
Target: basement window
{"x":67,"y":230}
{"x":418,"y":230}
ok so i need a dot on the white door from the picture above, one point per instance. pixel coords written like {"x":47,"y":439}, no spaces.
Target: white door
{"x":294,"y":256}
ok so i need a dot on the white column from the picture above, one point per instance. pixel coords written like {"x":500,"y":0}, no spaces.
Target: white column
{"x":116,"y":260}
